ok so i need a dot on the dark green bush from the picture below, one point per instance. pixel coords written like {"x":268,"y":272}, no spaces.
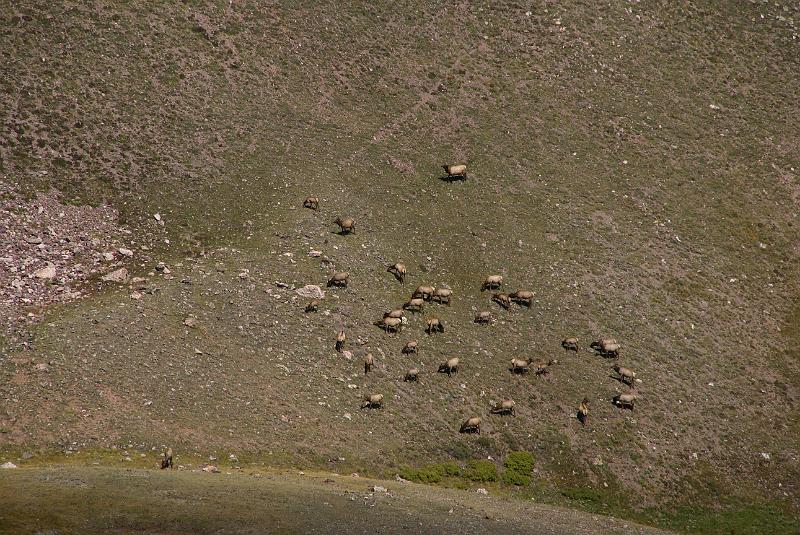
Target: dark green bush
{"x":481,"y":471}
{"x":519,"y":465}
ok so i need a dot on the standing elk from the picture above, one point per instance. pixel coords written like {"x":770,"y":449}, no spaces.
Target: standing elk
{"x":340,"y":340}
{"x":434,"y":326}
{"x":423,"y":292}
{"x":492,"y":282}
{"x":369,"y":361}
{"x":455,"y":172}
{"x":442,"y":295}
{"x":166,"y":462}
{"x":583,"y":412}
{"x":625,"y":401}
{"x":390,"y":325}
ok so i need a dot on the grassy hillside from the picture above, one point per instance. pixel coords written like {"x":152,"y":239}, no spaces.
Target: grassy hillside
{"x":635,"y":165}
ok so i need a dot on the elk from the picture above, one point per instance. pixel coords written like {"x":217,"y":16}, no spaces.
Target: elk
{"x":398,"y":270}
{"x":416,"y":304}
{"x":522,"y":297}
{"x":504,"y":407}
{"x":472,"y":425}
{"x":442,"y":295}
{"x":396,"y":313}
{"x":312,"y":305}
{"x":492,"y":282}
{"x":608,"y":347}
{"x":412,"y":346}
{"x":346,"y":225}
{"x":455,"y":172}
{"x":373,"y":401}
{"x":339,"y":279}
{"x":412,"y":375}
{"x":502,"y":299}
{"x":340,"y":339}
{"x":625,"y":401}
{"x":434,"y":326}
{"x":166,"y":462}
{"x":369,"y":361}
{"x":626,"y":375}
{"x":484,"y":317}
{"x":542,"y":368}
{"x":520,"y":366}
{"x":450,"y":366}
{"x":424,"y":292}
{"x":390,"y":325}
{"x":311,"y":202}
{"x":570,"y":344}
{"x":583,"y":412}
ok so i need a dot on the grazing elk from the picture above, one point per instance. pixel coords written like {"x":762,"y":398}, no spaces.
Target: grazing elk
{"x":398,"y":270}
{"x":625,"y":401}
{"x":372,"y":401}
{"x":522,"y":297}
{"x":502,"y":299}
{"x":492,"y":282}
{"x":415,"y":305}
{"x":626,"y":375}
{"x":450,"y":366}
{"x":442,"y":295}
{"x":390,"y":325}
{"x":472,"y":425}
{"x":570,"y":344}
{"x":607,"y":347}
{"x":312,"y":305}
{"x":412,"y":375}
{"x":483,"y":318}
{"x":504,"y":407}
{"x":346,"y":225}
{"x":520,"y":366}
{"x":412,"y":346}
{"x":339,"y":279}
{"x":424,"y":292}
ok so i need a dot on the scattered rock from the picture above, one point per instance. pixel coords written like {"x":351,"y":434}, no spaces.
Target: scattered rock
{"x":8,"y":464}
{"x":119,"y":275}
{"x":211,"y":469}
{"x":136,"y":295}
{"x":348,"y":416}
{"x":482,"y":491}
{"x":765,"y":455}
{"x":597,"y":461}
{"x":125,"y":252}
{"x":48,"y":272}
{"x":315,"y":253}
{"x":311,"y":291}
{"x":190,"y":322}
{"x":377,"y":488}
{"x":42,"y":367}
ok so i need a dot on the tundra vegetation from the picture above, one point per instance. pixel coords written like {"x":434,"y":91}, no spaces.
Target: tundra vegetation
{"x":655,"y":203}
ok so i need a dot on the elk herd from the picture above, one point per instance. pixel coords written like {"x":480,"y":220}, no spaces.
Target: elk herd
{"x":395,"y":320}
